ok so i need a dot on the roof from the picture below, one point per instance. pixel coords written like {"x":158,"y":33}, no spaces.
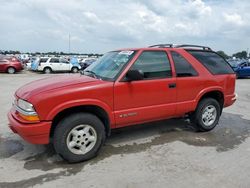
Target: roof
{"x":164,"y":46}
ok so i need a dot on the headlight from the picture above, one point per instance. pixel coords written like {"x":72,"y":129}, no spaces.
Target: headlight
{"x":26,"y":110}
{"x":24,"y":105}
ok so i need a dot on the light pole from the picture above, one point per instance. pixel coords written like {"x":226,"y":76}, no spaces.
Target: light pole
{"x":69,"y":43}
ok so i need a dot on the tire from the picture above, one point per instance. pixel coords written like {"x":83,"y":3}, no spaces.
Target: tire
{"x":47,"y":70}
{"x":11,"y":70}
{"x":206,"y":115}
{"x":74,"y":70}
{"x":71,"y":130}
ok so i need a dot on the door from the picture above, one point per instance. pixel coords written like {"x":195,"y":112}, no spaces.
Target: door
{"x":149,"y":99}
{"x":244,"y":69}
{"x":55,"y":64}
{"x":65,"y":65}
{"x":248,"y":69}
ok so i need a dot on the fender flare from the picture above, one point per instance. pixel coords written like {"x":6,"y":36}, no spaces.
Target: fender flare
{"x":84,"y":102}
{"x":207,"y":90}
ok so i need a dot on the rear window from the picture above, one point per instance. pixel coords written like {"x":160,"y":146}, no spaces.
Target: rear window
{"x":212,"y":61}
{"x":54,"y":60}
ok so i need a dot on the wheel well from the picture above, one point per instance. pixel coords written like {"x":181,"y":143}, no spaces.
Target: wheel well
{"x":74,"y":67}
{"x":10,"y":67}
{"x":96,"y":110}
{"x":217,"y":95}
{"x":47,"y":68}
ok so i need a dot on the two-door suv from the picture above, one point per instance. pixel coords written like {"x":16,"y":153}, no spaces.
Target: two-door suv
{"x":123,"y":87}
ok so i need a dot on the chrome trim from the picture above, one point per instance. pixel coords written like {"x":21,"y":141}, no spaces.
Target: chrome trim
{"x":24,"y":112}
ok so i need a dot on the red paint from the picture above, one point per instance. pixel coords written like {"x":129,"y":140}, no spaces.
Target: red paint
{"x":36,"y":133}
{"x":6,"y":63}
{"x":126,"y":103}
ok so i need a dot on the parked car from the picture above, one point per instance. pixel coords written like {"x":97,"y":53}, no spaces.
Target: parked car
{"x":242,"y":69}
{"x":10,"y":64}
{"x":49,"y":65}
{"x":86,"y":62}
{"x":122,"y":88}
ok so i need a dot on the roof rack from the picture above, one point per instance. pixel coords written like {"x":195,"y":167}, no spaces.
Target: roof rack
{"x":162,"y":46}
{"x":179,"y":46}
{"x":193,"y":46}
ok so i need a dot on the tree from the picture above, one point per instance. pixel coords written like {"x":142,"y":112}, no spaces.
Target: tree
{"x":241,"y":55}
{"x":223,"y":54}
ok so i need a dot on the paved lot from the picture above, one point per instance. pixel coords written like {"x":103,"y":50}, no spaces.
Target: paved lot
{"x":162,"y":154}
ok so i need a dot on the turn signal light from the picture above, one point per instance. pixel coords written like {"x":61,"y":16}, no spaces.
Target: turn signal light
{"x":29,"y":118}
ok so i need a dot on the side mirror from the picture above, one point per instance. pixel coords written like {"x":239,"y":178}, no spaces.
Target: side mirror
{"x":133,"y":75}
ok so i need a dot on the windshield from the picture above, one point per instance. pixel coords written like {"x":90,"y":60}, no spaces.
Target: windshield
{"x":234,"y":63}
{"x":109,"y":65}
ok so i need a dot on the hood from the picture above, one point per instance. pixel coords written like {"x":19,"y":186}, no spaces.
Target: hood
{"x":51,"y":83}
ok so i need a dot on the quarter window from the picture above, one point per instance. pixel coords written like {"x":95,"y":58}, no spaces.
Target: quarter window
{"x":153,"y":64}
{"x":182,"y":67}
{"x":212,"y":61}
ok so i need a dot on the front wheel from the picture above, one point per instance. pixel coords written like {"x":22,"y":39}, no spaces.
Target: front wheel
{"x":206,"y":115}
{"x":74,"y":70}
{"x":79,"y":137}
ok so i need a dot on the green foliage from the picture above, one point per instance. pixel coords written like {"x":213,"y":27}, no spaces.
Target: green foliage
{"x":223,"y":54}
{"x":241,"y":55}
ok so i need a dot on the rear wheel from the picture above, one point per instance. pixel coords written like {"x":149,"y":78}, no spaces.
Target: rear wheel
{"x":47,"y":70}
{"x":79,"y":137}
{"x":11,"y":70}
{"x":206,"y":115}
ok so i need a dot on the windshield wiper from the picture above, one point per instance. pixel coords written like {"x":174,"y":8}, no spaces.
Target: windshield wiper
{"x":92,"y":73}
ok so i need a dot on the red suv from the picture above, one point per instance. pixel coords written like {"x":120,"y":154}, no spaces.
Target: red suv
{"x":122,"y":88}
{"x":10,"y":64}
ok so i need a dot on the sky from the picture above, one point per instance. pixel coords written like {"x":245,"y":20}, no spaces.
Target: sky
{"x":98,"y":26}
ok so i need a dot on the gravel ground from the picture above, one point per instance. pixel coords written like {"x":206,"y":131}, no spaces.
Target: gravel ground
{"x":161,"y":154}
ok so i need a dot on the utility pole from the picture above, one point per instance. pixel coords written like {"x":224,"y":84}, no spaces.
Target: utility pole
{"x":69,"y":43}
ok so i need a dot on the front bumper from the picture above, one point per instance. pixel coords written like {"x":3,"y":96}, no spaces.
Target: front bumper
{"x":35,"y":133}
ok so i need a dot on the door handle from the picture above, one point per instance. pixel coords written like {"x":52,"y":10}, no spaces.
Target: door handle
{"x":172,"y":85}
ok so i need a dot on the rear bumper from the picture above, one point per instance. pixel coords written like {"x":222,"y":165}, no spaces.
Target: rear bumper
{"x":35,"y":133}
{"x":230,"y":99}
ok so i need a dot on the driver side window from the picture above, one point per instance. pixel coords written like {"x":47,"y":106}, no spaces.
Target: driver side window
{"x":153,"y":65}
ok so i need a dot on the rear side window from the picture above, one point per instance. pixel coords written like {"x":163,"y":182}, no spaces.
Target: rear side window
{"x":182,"y":67}
{"x":212,"y":61}
{"x":43,"y":60}
{"x":154,"y":64}
{"x":54,"y":60}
